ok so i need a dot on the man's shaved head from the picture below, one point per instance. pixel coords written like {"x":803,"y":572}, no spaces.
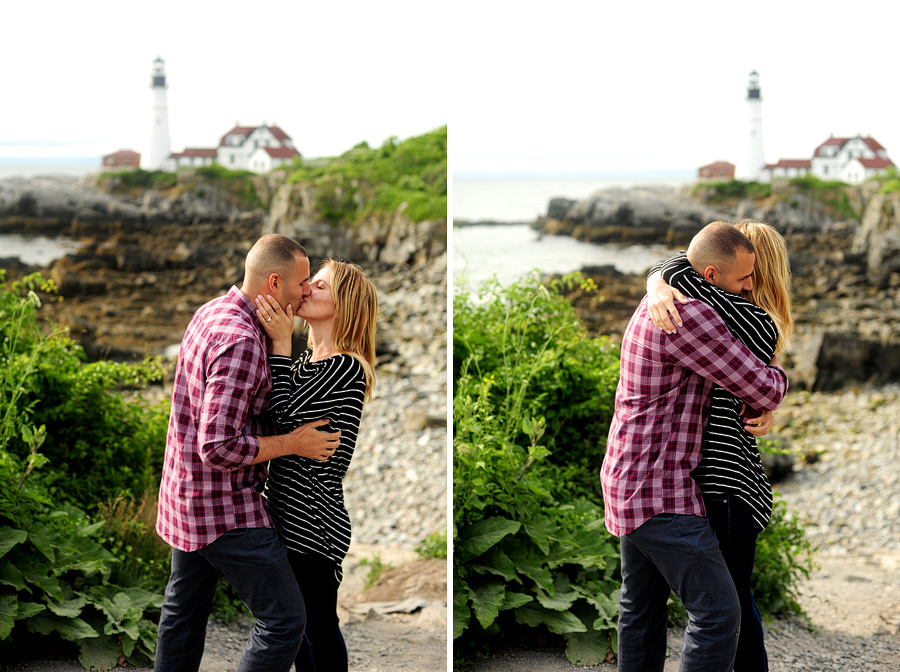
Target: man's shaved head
{"x":717,"y":244}
{"x":273,"y":253}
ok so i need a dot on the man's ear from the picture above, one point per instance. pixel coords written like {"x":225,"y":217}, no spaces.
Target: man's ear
{"x":274,"y":282}
{"x":709,"y":274}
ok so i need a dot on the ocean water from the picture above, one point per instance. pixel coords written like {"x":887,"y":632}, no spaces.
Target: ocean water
{"x":35,"y":250}
{"x":510,"y":251}
{"x":18,"y":167}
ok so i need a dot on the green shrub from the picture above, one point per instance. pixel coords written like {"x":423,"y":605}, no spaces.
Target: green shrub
{"x":725,"y":190}
{"x":54,"y":569}
{"x":363,"y":181}
{"x":530,"y":545}
{"x":433,"y":547}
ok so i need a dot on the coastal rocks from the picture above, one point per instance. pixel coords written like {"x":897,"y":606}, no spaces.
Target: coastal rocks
{"x":391,"y":239}
{"x":641,"y":215}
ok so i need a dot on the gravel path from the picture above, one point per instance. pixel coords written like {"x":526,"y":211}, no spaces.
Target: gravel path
{"x":849,"y":494}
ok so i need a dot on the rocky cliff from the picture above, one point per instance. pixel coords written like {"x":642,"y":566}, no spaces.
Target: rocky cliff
{"x":846,"y":271}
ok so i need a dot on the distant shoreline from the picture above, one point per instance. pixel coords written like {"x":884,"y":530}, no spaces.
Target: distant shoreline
{"x":463,"y":223}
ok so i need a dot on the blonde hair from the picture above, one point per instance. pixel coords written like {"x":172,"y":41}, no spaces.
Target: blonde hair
{"x":771,"y":278}
{"x":355,"y":308}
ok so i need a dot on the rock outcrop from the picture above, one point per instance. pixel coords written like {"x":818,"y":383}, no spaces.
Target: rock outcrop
{"x":846,"y":274}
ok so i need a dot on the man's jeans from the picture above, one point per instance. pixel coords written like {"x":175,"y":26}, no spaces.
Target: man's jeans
{"x":678,"y":552}
{"x":255,"y":562}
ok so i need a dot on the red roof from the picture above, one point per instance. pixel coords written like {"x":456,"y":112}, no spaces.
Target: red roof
{"x":873,"y":144}
{"x":790,"y":163}
{"x":716,"y":164}
{"x":237,"y":130}
{"x":875,"y":163}
{"x":281,"y":152}
{"x":278,"y":133}
{"x":122,"y":153}
{"x":197,"y":151}
{"x":838,"y":142}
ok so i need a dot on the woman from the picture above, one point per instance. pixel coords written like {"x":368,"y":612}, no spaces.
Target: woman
{"x":736,"y":492}
{"x":332,"y":379}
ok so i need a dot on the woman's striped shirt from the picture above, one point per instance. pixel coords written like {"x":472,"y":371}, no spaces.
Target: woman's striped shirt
{"x":305,"y":496}
{"x":730,"y":462}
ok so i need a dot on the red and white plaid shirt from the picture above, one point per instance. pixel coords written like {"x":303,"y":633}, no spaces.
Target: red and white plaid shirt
{"x":222,"y":387}
{"x":662,"y":405}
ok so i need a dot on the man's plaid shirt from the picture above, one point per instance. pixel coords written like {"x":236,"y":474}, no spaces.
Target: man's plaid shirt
{"x":662,"y":405}
{"x":222,"y":386}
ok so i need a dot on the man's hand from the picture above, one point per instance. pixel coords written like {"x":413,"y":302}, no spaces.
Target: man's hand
{"x":307,"y":441}
{"x":661,"y":303}
{"x":758,"y":426}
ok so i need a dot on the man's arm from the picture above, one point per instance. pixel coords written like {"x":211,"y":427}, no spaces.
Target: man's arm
{"x":705,"y":346}
{"x":305,"y":441}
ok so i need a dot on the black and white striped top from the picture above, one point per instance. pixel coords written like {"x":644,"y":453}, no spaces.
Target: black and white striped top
{"x":730,"y":462}
{"x":305,"y":496}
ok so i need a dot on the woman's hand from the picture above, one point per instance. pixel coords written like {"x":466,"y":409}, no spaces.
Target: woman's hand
{"x":761,"y":424}
{"x":279,"y":325}
{"x":661,"y":303}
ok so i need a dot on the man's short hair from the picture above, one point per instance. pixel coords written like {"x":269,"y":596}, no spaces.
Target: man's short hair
{"x":273,"y":253}
{"x":717,"y":244}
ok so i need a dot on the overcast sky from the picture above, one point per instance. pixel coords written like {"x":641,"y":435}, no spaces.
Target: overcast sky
{"x":600,"y":86}
{"x":77,"y":75}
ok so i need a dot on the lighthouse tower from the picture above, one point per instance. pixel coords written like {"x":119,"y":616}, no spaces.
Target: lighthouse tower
{"x":755,"y":161}
{"x":160,"y":145}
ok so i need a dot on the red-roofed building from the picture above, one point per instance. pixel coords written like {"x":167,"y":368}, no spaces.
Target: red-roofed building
{"x":845,"y":159}
{"x":236,"y":148}
{"x":718,"y":170}
{"x":786,"y":169}
{"x":124,"y":159}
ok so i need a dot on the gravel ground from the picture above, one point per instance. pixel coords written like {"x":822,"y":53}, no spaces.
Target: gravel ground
{"x":847,"y":491}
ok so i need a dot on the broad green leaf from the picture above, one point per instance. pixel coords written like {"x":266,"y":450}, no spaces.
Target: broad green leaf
{"x":9,"y":610}
{"x":461,"y":613}
{"x":92,"y":529}
{"x":29,"y":609}
{"x":563,"y":596}
{"x":478,"y":538}
{"x":9,"y":537}
{"x":495,"y":561}
{"x":99,"y":653}
{"x":531,"y":566}
{"x":587,"y":648}
{"x":538,"y":529}
{"x":514,"y":600}
{"x":37,"y":574}
{"x":127,"y":645}
{"x":486,"y":602}
{"x":82,"y":554}
{"x":560,"y":623}
{"x":67,"y":608}
{"x":72,"y":629}
{"x":44,"y":540}
{"x":10,"y":575}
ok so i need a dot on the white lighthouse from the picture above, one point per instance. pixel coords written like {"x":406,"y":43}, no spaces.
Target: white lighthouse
{"x":160,"y":145}
{"x":756,"y":159}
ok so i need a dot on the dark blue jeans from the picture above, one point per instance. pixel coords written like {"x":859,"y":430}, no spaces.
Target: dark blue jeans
{"x":732,"y":521}
{"x":255,"y":562}
{"x":680,"y":553}
{"x":323,"y":648}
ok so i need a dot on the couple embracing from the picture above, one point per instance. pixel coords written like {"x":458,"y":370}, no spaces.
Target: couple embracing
{"x":683,"y":482}
{"x":239,"y":403}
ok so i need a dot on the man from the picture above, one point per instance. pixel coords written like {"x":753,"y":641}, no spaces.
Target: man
{"x":651,"y":501}
{"x":210,"y":507}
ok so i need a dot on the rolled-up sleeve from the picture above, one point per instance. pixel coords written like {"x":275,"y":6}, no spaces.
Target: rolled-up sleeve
{"x":234,"y":378}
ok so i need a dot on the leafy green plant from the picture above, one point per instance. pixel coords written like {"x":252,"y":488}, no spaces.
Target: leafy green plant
{"x":376,"y":568}
{"x":54,"y":569}
{"x":410,"y":176}
{"x":433,"y":547}
{"x":733,"y":189}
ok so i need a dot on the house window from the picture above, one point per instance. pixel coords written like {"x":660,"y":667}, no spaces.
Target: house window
{"x":825,"y":170}
{"x":232,"y":158}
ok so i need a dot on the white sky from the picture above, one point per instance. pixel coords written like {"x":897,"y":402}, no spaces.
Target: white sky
{"x":330,"y":74}
{"x":569,"y":86}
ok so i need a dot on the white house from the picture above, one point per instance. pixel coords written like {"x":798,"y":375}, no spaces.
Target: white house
{"x":852,"y":160}
{"x":786,"y":169}
{"x":255,"y":148}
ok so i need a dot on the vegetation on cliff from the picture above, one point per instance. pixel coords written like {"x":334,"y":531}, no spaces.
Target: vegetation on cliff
{"x":364,"y":181}
{"x":76,"y":559}
{"x":533,"y":399}
{"x":831,"y":195}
